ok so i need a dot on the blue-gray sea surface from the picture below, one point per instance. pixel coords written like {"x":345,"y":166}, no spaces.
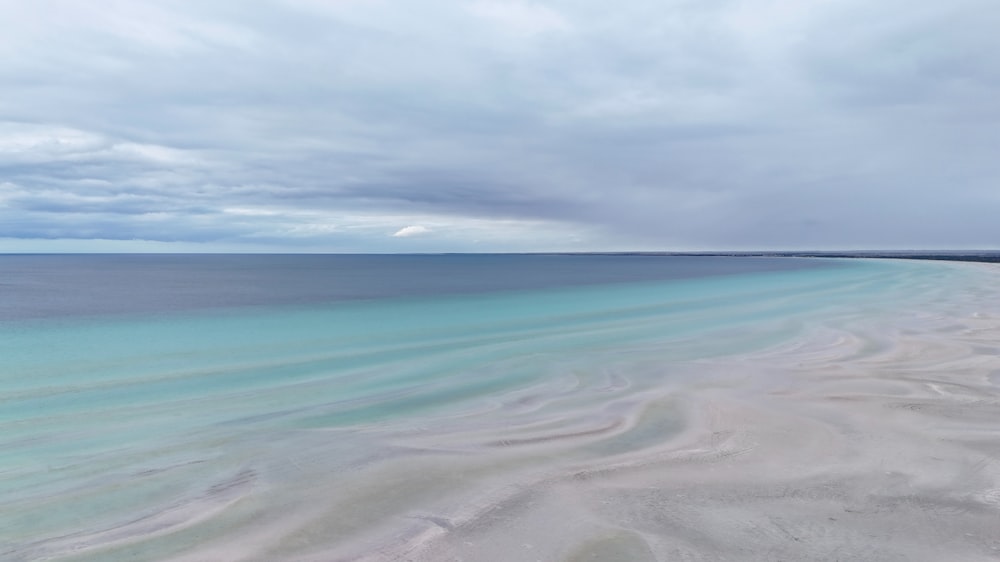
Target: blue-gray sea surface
{"x":43,"y":286}
{"x":305,"y":407}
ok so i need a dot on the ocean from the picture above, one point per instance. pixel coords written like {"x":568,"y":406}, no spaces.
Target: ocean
{"x":433,"y":407}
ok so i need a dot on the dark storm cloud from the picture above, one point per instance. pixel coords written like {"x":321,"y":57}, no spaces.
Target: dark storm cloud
{"x":502,"y":124}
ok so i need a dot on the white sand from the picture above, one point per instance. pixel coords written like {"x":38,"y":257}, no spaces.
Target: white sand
{"x":873,"y":439}
{"x":873,"y":435}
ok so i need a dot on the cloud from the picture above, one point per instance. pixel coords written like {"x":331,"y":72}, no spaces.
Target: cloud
{"x":521,"y":17}
{"x":412,"y":230}
{"x":301,"y":124}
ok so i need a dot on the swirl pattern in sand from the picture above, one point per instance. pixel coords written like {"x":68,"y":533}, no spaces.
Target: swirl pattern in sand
{"x":842,"y":413}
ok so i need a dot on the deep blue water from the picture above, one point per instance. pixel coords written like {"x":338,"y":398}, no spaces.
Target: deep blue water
{"x":52,"y":286}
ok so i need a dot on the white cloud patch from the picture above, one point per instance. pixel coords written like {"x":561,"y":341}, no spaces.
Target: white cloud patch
{"x":412,"y":230}
{"x":521,"y":17}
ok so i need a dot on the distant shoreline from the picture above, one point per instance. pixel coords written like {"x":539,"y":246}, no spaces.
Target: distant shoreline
{"x":983,"y":256}
{"x":968,"y":256}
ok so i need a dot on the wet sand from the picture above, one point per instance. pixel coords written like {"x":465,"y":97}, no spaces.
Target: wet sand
{"x":872,"y":434}
{"x":873,"y":439}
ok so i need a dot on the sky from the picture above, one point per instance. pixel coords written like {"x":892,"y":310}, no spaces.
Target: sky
{"x":498,"y":125}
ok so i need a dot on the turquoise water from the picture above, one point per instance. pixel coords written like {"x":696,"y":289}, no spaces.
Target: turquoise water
{"x":112,"y":428}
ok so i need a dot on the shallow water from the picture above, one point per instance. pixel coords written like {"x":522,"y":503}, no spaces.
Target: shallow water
{"x":328,"y":423}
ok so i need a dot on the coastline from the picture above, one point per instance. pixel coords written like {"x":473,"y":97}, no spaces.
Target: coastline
{"x":983,"y":256}
{"x":873,"y":439}
{"x":848,"y":417}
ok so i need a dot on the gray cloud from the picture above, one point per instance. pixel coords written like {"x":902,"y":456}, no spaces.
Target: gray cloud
{"x":501,"y":125}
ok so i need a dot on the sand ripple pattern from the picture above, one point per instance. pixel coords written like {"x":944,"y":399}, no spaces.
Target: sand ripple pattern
{"x":853,"y":419}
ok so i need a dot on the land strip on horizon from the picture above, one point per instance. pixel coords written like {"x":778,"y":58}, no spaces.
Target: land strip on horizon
{"x":989,"y":256}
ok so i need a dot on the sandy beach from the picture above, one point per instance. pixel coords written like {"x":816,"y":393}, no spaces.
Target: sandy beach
{"x":860,"y":429}
{"x":872,"y":439}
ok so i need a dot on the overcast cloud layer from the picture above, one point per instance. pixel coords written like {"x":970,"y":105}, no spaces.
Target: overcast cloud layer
{"x":489,"y":125}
